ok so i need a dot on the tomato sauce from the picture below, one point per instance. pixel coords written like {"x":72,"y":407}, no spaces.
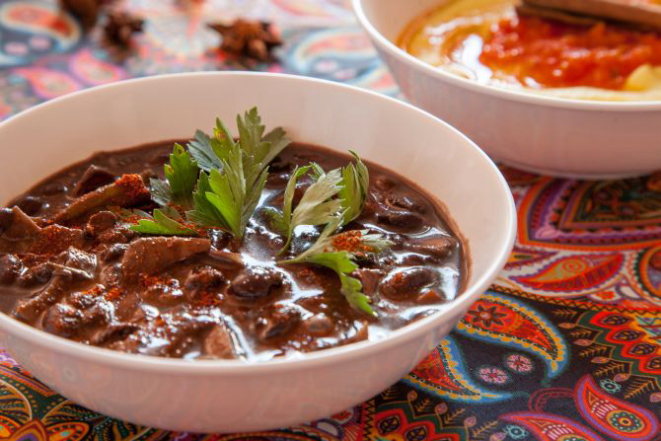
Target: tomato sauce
{"x":541,"y":52}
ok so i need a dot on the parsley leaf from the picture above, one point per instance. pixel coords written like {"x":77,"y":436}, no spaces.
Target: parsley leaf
{"x":161,"y":224}
{"x":160,"y":191}
{"x":323,"y":252}
{"x":181,"y":175}
{"x":317,"y":206}
{"x":200,"y":149}
{"x":282,"y":221}
{"x":355,"y":182}
{"x":204,"y":212}
{"x":227,"y":191}
{"x":352,"y":288}
{"x":236,"y":188}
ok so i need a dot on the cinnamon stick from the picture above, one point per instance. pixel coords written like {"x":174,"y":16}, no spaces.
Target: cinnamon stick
{"x":641,"y":12}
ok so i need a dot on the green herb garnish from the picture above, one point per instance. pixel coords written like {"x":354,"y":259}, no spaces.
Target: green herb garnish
{"x":353,"y":194}
{"x":181,"y":176}
{"x":227,"y":189}
{"x":204,"y":212}
{"x":200,"y":148}
{"x":338,"y":252}
{"x":160,"y":224}
{"x":316,"y":206}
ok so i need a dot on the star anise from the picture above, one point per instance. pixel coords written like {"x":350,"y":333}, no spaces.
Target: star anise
{"x":86,"y":11}
{"x":248,"y":39}
{"x":120,"y":27}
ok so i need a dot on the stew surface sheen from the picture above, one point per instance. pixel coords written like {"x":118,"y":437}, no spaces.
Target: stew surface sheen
{"x":92,"y":280}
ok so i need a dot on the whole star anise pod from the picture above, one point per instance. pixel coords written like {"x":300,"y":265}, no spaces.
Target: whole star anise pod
{"x":120,"y":27}
{"x":248,"y":39}
{"x":85,"y":11}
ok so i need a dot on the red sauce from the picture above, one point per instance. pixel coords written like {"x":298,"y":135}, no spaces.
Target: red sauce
{"x":553,"y":54}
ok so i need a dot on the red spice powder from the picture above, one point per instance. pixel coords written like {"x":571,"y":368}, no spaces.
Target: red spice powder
{"x":208,"y":299}
{"x":147,"y":281}
{"x":351,"y":241}
{"x":114,"y":294}
{"x":54,"y":239}
{"x":97,"y":290}
{"x":133,"y":186}
{"x":556,"y":54}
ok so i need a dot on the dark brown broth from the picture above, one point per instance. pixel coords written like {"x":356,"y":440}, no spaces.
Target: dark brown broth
{"x":169,"y":314}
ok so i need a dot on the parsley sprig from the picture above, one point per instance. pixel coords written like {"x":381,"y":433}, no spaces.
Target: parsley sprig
{"x":218,"y":181}
{"x":316,"y":206}
{"x":180,"y":179}
{"x":353,"y":193}
{"x":325,"y":252}
{"x":343,"y":190}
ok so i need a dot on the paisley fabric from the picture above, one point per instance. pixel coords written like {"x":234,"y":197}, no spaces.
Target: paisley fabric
{"x":565,"y":346}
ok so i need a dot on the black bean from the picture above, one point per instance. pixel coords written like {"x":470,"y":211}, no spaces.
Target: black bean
{"x":407,"y":283}
{"x":255,"y":283}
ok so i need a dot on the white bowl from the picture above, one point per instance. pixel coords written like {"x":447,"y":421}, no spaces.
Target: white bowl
{"x":562,"y":137}
{"x":223,"y":396}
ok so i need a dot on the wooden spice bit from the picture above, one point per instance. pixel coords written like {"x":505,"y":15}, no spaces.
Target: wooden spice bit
{"x":629,"y":11}
{"x":248,"y":39}
{"x":86,"y":11}
{"x":120,"y":27}
{"x":553,"y":14}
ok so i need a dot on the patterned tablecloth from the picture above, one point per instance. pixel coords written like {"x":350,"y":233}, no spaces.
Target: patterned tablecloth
{"x":566,"y":345}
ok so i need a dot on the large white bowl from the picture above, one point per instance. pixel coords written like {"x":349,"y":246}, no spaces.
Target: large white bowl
{"x":555,"y":136}
{"x":222,"y":396}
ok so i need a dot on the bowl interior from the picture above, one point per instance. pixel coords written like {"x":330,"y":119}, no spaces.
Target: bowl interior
{"x":396,"y":135}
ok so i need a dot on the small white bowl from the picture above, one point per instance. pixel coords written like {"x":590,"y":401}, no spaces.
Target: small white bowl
{"x":562,"y":137}
{"x":229,"y":396}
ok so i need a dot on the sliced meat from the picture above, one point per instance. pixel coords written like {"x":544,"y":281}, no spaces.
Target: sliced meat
{"x":16,"y":225}
{"x":402,"y":220}
{"x":255,"y":283}
{"x":218,"y":343}
{"x":29,"y":310}
{"x":100,"y":222}
{"x":438,"y":246}
{"x":112,"y":252}
{"x":203,"y":279}
{"x":406,"y":202}
{"x":62,"y":320}
{"x":128,"y":191}
{"x":55,"y":239}
{"x":80,"y":264}
{"x":93,"y":178}
{"x":407,"y":283}
{"x":38,"y":274}
{"x":116,"y":235}
{"x":162,"y":290}
{"x":370,"y":279}
{"x":151,"y":255}
{"x":227,"y":259}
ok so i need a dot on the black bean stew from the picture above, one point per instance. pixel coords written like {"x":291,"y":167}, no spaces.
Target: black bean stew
{"x":69,"y":265}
